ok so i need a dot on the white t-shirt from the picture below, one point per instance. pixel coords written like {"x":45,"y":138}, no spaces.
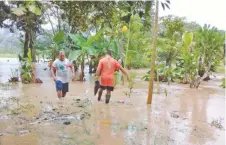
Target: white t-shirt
{"x":62,"y":70}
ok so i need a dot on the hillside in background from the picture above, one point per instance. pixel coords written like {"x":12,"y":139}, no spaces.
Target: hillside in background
{"x":9,"y":42}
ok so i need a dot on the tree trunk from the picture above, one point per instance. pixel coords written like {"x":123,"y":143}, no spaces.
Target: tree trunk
{"x":122,"y":78}
{"x":31,"y":44}
{"x":158,"y":87}
{"x":169,"y":77}
{"x":26,"y":39}
{"x":153,"y":56}
{"x":197,"y":81}
{"x":81,"y":77}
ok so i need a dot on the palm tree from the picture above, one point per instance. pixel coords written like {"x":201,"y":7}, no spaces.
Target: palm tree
{"x":153,"y":56}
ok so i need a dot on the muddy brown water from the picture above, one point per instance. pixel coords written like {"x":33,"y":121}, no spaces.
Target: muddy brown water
{"x":31,"y":114}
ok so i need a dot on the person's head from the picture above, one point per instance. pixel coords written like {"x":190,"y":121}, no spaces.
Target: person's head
{"x":108,"y":52}
{"x":61,"y":55}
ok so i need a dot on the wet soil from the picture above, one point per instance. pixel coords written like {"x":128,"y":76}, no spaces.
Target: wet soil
{"x":31,"y":114}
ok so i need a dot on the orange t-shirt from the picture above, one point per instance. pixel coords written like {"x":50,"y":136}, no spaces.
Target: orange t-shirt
{"x":107,"y":67}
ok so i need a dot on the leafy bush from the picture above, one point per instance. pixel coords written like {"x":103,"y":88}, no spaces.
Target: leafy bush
{"x":26,"y":68}
{"x":132,"y":77}
{"x":140,"y":62}
{"x":223,"y":83}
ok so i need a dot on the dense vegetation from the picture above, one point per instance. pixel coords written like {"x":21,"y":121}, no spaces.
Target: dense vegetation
{"x":186,"y":52}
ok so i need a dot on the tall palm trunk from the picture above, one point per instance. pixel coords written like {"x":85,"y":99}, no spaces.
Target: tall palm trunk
{"x":153,"y":56}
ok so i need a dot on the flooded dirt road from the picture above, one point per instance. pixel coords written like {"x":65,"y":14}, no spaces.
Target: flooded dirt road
{"x":31,"y":114}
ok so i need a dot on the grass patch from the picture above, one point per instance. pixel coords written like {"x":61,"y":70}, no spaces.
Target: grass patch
{"x":221,"y":68}
{"x":7,"y":55}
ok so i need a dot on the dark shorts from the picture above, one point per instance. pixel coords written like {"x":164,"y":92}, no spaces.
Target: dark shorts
{"x":61,"y":86}
{"x":107,"y":87}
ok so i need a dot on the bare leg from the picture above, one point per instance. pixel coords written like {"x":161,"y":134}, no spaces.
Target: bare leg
{"x":100,"y":93}
{"x":59,"y":94}
{"x":108,"y":96}
{"x":64,"y":94}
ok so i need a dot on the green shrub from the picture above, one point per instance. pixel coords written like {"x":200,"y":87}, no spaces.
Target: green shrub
{"x":223,"y":83}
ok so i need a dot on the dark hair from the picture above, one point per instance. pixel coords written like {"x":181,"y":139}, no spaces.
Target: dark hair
{"x":108,"y":52}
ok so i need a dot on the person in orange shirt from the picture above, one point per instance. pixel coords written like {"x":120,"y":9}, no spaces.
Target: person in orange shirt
{"x":106,"y":68}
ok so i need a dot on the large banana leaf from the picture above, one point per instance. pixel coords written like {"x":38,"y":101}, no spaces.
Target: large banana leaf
{"x":34,"y":9}
{"x":188,"y":38}
{"x":75,"y":54}
{"x":90,"y":50}
{"x":19,"y":11}
{"x":59,"y":37}
{"x":78,"y":39}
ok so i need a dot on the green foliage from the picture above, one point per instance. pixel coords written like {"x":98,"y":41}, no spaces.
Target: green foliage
{"x":132,"y":77}
{"x":19,"y":11}
{"x":26,"y":68}
{"x":223,"y":83}
{"x":188,"y":38}
{"x":137,"y":41}
{"x":85,"y":49}
{"x":34,"y":9}
{"x":172,"y":27}
{"x":59,"y":37}
{"x":210,"y":41}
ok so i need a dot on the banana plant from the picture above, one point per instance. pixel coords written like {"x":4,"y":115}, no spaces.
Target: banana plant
{"x":190,"y":57}
{"x":27,"y":71}
{"x":83,"y":51}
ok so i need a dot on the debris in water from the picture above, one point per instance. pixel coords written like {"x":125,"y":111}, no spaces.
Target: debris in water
{"x":67,"y":122}
{"x":124,"y":102}
{"x":81,"y":105}
{"x":78,"y":100}
{"x":1,"y":134}
{"x":105,"y":122}
{"x":174,"y":115}
{"x":4,"y":117}
{"x":82,"y":116}
{"x":217,"y":123}
{"x":121,"y":101}
{"x":24,"y":132}
{"x":14,"y":79}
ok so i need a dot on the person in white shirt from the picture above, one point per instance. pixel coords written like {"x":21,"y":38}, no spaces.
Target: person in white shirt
{"x":59,"y":70}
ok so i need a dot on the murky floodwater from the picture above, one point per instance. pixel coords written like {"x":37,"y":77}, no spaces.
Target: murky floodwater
{"x":32,"y":114}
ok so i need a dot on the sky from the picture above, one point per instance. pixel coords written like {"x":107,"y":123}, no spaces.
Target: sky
{"x":211,"y":12}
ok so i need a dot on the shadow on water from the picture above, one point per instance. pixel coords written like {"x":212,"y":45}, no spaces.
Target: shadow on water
{"x":31,"y":114}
